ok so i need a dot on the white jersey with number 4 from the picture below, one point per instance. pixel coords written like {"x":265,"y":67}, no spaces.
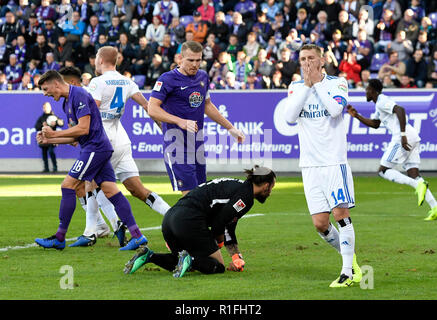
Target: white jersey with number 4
{"x":322,"y":137}
{"x":113,"y":90}
{"x":384,"y":112}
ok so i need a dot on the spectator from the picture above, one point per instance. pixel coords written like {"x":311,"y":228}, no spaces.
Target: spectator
{"x":219,"y":69}
{"x":332,"y":8}
{"x":32,"y":29}
{"x":4,"y":53}
{"x":384,"y":31}
{"x":233,"y":47}
{"x":231,"y":83}
{"x":211,"y":51}
{"x":351,"y":67}
{"x":90,"y":67}
{"x":292,"y":42}
{"x":416,"y":68}
{"x":48,"y":118}
{"x":62,"y":11}
{"x":253,"y":82}
{"x":338,"y":47}
{"x":270,"y":8}
{"x":406,"y":83}
{"x":32,"y":70}
{"x":86,"y":79}
{"x":275,"y":82}
{"x":176,"y":31}
{"x":23,"y":11}
{"x":409,"y":25}
{"x":351,"y":7}
{"x":394,"y":6}
{"x":262,"y":66}
{"x":344,"y":25}
{"x":286,"y":66}
{"x":198,"y":27}
{"x":426,"y":25}
{"x":419,"y":11}
{"x":252,"y":46}
{"x":63,"y":51}
{"x":363,"y":49}
{"x":220,"y":29}
{"x":135,"y":32}
{"x":424,"y":45}
{"x":114,"y":31}
{"x":21,"y":51}
{"x":365,"y":77}
{"x":12,"y":71}
{"x":82,"y":52}
{"x":247,"y":9}
{"x":103,"y":9}
{"x":167,"y":52}
{"x":303,"y":25}
{"x":322,"y":27}
{"x":262,"y":28}
{"x":10,"y":29}
{"x":94,"y":29}
{"x":51,"y":32}
{"x":155,"y":32}
{"x":377,"y":7}
{"x":39,"y":50}
{"x":125,"y":47}
{"x":312,"y":8}
{"x":239,"y":28}
{"x":26,"y":83}
{"x":241,"y":67}
{"x":74,"y":28}
{"x":394,"y":68}
{"x":387,"y":83}
{"x":331,"y":62}
{"x":207,"y":12}
{"x":103,"y":41}
{"x":143,"y":57}
{"x":123,"y":11}
{"x":272,"y":49}
{"x":3,"y":82}
{"x":50,"y":63}
{"x":363,"y":23}
{"x":45,"y":11}
{"x":154,"y":71}
{"x":432,"y":69}
{"x":289,"y":13}
{"x":403,"y":46}
{"x":143,"y":12}
{"x":123,"y":65}
{"x":166,"y":10}
{"x":84,"y":9}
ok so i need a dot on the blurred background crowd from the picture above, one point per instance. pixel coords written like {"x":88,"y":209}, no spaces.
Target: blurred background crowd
{"x":248,"y":44}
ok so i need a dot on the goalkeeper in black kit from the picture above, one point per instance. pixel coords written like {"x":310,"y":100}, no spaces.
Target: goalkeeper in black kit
{"x":203,"y":221}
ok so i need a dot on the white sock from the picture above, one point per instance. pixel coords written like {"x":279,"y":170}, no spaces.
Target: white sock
{"x":158,"y":204}
{"x":82,"y":201}
{"x":331,"y":236}
{"x":92,"y":214}
{"x":430,"y":199}
{"x":347,"y":245}
{"x":395,"y":176}
{"x":108,"y":209}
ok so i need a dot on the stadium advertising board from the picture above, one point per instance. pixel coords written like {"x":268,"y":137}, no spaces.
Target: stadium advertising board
{"x":259,"y":114}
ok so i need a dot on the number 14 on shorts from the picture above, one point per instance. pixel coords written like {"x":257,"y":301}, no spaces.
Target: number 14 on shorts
{"x":339,"y":198}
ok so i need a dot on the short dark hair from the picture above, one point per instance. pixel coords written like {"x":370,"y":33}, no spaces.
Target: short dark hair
{"x":51,"y":75}
{"x":71,"y":72}
{"x":260,"y":175}
{"x":376,"y":85}
{"x":194,"y":46}
{"x":314,"y":47}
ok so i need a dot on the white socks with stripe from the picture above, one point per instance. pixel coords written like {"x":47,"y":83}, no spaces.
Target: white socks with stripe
{"x":395,"y":176}
{"x":107,"y":208}
{"x":347,"y":245}
{"x":331,"y":236}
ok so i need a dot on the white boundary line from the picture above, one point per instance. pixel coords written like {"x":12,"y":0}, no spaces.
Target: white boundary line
{"x":30,"y":245}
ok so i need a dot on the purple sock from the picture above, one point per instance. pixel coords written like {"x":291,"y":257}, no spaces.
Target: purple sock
{"x":124,"y":212}
{"x":66,"y":210}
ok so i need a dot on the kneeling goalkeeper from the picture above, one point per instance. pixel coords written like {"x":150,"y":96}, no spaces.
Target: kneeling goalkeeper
{"x":204,"y":220}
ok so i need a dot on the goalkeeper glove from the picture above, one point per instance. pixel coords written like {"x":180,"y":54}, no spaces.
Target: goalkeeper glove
{"x":237,"y":263}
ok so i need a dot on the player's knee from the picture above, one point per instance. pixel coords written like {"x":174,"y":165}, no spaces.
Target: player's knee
{"x":321,"y":226}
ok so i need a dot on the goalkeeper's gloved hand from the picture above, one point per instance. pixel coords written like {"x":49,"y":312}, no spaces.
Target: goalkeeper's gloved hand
{"x":237,"y":263}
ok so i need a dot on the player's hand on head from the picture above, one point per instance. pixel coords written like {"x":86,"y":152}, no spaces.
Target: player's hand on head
{"x":237,"y":134}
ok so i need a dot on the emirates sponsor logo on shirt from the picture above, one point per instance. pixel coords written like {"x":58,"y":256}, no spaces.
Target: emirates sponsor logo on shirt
{"x":239,"y":205}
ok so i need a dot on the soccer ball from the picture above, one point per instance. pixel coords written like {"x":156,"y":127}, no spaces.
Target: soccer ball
{"x":51,"y":120}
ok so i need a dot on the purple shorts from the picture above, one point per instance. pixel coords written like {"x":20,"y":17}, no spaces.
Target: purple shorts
{"x":93,"y":166}
{"x":186,"y":176}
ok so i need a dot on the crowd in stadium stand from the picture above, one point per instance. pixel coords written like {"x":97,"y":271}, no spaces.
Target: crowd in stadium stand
{"x":248,"y":44}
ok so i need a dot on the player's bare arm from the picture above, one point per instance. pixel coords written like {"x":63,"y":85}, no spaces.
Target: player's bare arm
{"x":400,"y":114}
{"x":139,"y":98}
{"x":373,"y":123}
{"x":212,"y":112}
{"x":81,"y":129}
{"x":159,"y":114}
{"x":42,"y":140}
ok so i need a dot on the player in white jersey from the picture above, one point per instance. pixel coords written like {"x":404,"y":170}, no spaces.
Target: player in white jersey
{"x":403,"y":147}
{"x":111,"y":90}
{"x":316,"y":104}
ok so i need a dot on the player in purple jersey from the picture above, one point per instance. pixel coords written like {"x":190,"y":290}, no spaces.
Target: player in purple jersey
{"x":180,"y":99}
{"x":93,"y":162}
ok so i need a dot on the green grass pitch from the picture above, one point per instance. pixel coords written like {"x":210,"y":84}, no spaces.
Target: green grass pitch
{"x":285,"y":257}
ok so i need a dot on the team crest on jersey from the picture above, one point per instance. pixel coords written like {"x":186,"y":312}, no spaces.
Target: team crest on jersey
{"x":239,"y":205}
{"x":195,"y":99}
{"x":343,"y":87}
{"x":157,"y":86}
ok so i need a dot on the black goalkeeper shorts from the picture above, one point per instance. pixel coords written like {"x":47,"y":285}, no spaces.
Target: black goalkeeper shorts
{"x":185,"y":229}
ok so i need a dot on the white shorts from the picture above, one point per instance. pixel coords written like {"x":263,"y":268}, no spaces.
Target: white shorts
{"x":123,"y":163}
{"x":395,"y":155}
{"x":328,"y":187}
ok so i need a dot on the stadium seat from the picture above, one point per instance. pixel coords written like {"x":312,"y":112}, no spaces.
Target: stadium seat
{"x":433,"y":17}
{"x":377,"y":61}
{"x":186,"y":20}
{"x":139,"y":80}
